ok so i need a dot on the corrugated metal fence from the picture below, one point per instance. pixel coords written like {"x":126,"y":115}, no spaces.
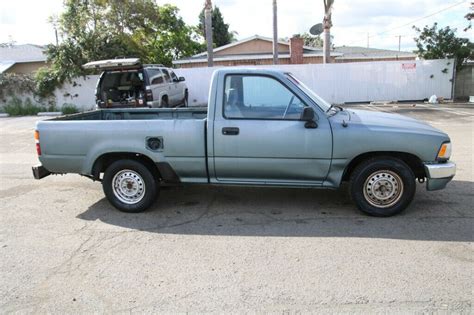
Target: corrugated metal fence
{"x":354,"y":82}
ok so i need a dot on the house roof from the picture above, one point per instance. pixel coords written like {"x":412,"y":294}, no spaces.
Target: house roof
{"x":355,"y":52}
{"x":22,"y":53}
{"x":5,"y":65}
{"x":202,"y":57}
{"x":343,"y":52}
{"x":254,"y":37}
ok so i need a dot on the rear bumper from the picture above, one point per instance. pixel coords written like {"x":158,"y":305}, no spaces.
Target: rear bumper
{"x":39,"y":171}
{"x":439,"y":175}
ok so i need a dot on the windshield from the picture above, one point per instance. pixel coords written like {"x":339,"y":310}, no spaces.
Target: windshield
{"x":318,"y":100}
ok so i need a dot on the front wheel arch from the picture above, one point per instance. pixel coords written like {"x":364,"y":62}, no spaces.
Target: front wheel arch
{"x":413,"y":161}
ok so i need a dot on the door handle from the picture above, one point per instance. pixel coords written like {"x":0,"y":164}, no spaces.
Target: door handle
{"x":230,"y":131}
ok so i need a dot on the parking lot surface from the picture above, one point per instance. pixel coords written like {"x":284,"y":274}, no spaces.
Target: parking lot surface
{"x":64,"y":248}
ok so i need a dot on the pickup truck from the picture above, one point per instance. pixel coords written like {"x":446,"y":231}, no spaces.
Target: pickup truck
{"x":261,"y":128}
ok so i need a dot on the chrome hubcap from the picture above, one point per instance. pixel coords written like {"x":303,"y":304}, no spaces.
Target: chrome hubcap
{"x":128,"y":186}
{"x":383,"y":189}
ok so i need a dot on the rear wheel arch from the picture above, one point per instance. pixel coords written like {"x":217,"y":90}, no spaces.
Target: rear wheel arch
{"x":105,"y":160}
{"x":414,"y":162}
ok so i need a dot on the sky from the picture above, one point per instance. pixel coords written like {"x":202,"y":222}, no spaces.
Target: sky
{"x":26,"y":21}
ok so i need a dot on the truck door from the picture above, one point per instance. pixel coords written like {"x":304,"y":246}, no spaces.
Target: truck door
{"x":171,"y":86}
{"x":259,"y":137}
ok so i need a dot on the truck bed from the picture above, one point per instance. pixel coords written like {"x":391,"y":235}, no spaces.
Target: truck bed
{"x":71,"y":144}
{"x":138,"y":114}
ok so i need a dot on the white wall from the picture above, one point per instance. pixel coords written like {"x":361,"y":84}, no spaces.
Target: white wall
{"x":337,"y":83}
{"x":81,"y":92}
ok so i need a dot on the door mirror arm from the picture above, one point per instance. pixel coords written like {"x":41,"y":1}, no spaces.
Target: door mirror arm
{"x":311,"y":124}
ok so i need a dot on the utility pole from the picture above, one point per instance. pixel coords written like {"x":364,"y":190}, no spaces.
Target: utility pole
{"x":399,"y":42}
{"x":208,"y":29}
{"x":275,"y":33}
{"x":327,"y":23}
{"x":54,"y":22}
{"x":368,"y":39}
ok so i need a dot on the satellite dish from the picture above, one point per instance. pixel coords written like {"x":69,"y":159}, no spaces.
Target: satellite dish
{"x":316,"y":29}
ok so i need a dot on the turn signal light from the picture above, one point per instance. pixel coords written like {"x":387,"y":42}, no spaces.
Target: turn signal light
{"x":444,"y":152}
{"x":38,"y":147}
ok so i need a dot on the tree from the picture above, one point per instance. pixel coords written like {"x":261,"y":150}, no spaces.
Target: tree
{"x":437,"y":43}
{"x":469,"y":17}
{"x":166,"y":39}
{"x":327,"y":24}
{"x":105,"y":29}
{"x":220,"y":30}
{"x":275,"y":32}
{"x":208,"y":32}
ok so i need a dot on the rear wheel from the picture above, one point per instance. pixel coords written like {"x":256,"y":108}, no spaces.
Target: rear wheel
{"x":382,"y":187}
{"x":129,"y":186}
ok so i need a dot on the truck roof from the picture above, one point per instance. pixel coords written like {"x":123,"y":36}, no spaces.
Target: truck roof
{"x":250,"y":70}
{"x":111,"y":64}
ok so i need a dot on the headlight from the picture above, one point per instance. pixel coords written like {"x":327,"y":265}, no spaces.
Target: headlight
{"x":444,"y":152}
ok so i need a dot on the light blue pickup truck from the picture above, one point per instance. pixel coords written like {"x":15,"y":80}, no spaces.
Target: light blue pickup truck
{"x":261,"y":128}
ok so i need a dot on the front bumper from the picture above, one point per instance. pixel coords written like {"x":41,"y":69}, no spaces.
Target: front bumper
{"x":439,"y":175}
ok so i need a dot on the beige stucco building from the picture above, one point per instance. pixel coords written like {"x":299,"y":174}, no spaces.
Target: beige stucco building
{"x":258,"y":50}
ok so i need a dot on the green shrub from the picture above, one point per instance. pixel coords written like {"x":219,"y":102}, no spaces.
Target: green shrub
{"x":69,"y":109}
{"x":47,"y":81}
{"x":13,"y":84}
{"x":15,"y":107}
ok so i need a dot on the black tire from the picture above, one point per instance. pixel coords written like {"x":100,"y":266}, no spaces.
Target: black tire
{"x":382,"y":186}
{"x":138,"y":176}
{"x":164,"y":102}
{"x":186,"y":99}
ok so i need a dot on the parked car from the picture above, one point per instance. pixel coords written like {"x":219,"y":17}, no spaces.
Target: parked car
{"x":261,"y":128}
{"x":128,"y":83}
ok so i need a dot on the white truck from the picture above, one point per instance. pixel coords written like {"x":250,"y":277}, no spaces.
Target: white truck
{"x":128,"y":83}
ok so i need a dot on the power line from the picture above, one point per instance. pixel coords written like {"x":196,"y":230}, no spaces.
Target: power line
{"x":411,"y":22}
{"x":422,"y":18}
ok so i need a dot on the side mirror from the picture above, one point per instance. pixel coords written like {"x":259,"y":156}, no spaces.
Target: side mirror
{"x":180,"y":79}
{"x":308,"y":116}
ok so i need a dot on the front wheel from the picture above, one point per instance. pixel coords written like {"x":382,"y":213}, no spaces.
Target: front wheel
{"x":186,"y":99}
{"x":164,"y":102}
{"x":382,"y":187}
{"x":129,"y":186}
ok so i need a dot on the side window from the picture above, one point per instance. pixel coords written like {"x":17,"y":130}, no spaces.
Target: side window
{"x":166,"y":75}
{"x":173,"y":76}
{"x":155,"y":76}
{"x":259,"y":97}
